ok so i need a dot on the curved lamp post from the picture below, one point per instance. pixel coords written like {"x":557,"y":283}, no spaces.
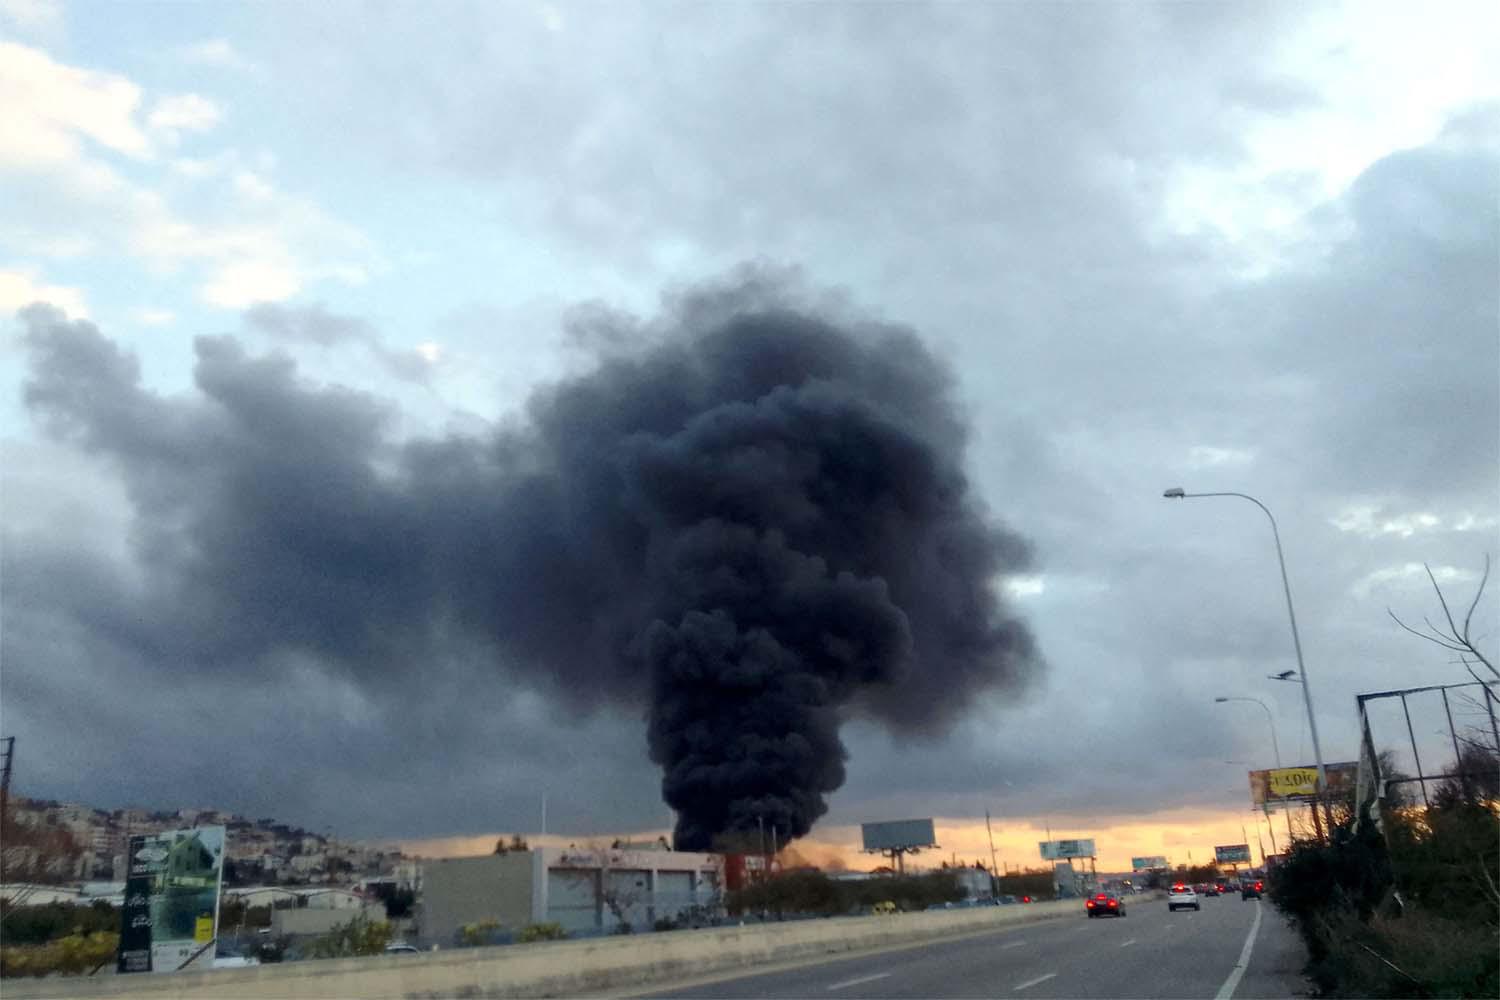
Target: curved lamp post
{"x":1177,"y":493}
{"x":1270,"y":721}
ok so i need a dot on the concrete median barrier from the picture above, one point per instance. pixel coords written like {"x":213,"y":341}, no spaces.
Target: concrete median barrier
{"x":560,"y":968}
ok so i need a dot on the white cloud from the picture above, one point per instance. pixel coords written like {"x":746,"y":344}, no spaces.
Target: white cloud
{"x":37,"y":17}
{"x":243,"y":283}
{"x":215,"y":52}
{"x":430,"y":352}
{"x":1407,"y":573}
{"x":250,"y":185}
{"x":1366,"y":80}
{"x":244,"y":240}
{"x":155,"y":317}
{"x":49,"y":106}
{"x":19,"y":289}
{"x":1025,"y":586}
{"x":1372,"y":522}
{"x":1205,"y":456}
{"x":183,"y":113}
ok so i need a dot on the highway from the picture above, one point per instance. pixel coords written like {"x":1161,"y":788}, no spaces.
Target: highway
{"x":1231,"y":948}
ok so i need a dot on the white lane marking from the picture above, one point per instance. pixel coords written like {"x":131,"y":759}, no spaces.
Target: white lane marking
{"x":1127,"y":944}
{"x":1227,"y":990}
{"x":857,"y":981}
{"x":1013,"y":944}
{"x":1033,"y":982}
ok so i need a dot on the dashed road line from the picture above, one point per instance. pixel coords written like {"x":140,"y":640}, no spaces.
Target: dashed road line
{"x":1013,"y":944}
{"x":1033,"y":982}
{"x":856,"y":981}
{"x":1127,"y":944}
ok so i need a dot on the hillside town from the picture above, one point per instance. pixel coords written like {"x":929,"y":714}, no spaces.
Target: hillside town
{"x":74,"y":844}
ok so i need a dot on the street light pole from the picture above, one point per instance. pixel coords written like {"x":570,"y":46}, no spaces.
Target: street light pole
{"x":1177,"y":493}
{"x":1270,"y":721}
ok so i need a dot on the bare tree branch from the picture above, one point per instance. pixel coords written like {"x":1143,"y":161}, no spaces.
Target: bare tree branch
{"x":1454,"y":639}
{"x":1477,"y":595}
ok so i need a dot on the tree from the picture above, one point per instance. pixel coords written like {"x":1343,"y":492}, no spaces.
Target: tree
{"x":360,"y":936}
{"x":516,"y":843}
{"x":1475,"y":780}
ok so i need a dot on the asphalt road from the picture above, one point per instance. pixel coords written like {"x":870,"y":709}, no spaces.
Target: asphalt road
{"x":1147,"y":953}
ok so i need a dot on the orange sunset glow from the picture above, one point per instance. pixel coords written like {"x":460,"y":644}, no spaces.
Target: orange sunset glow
{"x":1183,"y":836}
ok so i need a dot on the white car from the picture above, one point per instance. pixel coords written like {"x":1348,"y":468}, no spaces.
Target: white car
{"x":1182,"y":896}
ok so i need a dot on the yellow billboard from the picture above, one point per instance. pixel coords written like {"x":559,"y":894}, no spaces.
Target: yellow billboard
{"x":1300,"y":784}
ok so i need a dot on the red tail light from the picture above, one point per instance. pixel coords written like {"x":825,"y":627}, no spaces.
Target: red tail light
{"x":1258,"y":886}
{"x":1113,"y":903}
{"x":1090,"y":904}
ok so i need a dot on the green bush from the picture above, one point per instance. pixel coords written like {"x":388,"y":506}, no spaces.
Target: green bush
{"x":50,"y":921}
{"x":541,"y":932}
{"x":360,"y":936}
{"x":71,"y":955}
{"x":805,"y":893}
{"x":1410,"y":913}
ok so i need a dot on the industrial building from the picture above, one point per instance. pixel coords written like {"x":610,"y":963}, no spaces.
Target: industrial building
{"x":586,"y":890}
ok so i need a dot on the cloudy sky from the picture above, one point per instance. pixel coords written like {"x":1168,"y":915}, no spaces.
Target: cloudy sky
{"x":1232,"y":247}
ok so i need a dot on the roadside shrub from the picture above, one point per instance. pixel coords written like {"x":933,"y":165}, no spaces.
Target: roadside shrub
{"x":71,"y":955}
{"x":1412,"y":913}
{"x":1420,"y":954}
{"x":478,"y":934}
{"x":542,"y":932}
{"x":808,"y":893}
{"x":360,"y":936}
{"x":50,"y":921}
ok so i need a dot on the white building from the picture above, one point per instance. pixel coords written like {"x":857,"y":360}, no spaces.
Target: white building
{"x":582,"y":889}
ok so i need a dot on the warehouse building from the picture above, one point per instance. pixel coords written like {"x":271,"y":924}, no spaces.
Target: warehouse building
{"x":587,"y":890}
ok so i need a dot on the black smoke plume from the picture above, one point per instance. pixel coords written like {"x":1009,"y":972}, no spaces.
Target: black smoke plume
{"x":755,"y":523}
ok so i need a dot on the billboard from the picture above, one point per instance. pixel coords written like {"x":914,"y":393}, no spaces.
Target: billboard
{"x":1146,"y":864}
{"x":1281,"y":785}
{"x":1056,"y":850}
{"x":897,"y":834}
{"x":171,"y":912}
{"x":1231,"y":854}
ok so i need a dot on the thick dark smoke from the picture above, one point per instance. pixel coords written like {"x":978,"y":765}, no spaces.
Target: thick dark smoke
{"x":754,"y":524}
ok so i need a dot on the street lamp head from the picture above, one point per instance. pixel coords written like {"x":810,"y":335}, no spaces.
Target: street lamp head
{"x":1221,"y":699}
{"x":1175,"y":493}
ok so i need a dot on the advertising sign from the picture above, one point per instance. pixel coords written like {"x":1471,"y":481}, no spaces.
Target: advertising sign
{"x":1300,"y":784}
{"x":171,"y":909}
{"x":1057,"y":850}
{"x":898,"y":834}
{"x":1146,"y":864}
{"x":1232,"y":854}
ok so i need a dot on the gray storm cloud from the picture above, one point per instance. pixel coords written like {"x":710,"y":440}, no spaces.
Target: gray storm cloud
{"x":754,"y":525}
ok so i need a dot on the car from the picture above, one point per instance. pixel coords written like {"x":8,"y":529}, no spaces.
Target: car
{"x":1208,"y":890}
{"x":884,"y":908}
{"x":1223,"y":888}
{"x":1251,"y":890}
{"x":402,"y":948}
{"x":1182,"y":897}
{"x":1105,"y":904}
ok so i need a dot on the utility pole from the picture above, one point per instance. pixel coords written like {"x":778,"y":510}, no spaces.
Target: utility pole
{"x":994,"y":867}
{"x":10,"y":753}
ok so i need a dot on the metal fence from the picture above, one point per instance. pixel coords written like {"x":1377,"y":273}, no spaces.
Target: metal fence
{"x":1422,"y":741}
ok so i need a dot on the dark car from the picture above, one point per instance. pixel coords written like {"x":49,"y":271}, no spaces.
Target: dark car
{"x":1105,"y":904}
{"x":1251,"y":890}
{"x":1209,"y":890}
